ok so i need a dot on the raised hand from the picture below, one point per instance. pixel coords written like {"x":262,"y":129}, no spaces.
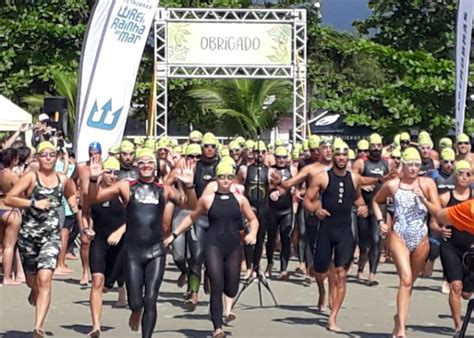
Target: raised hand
{"x":186,"y":174}
{"x":95,"y":167}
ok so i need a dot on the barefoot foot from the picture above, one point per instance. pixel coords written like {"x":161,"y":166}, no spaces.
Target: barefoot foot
{"x":9,"y":281}
{"x":134,"y":321}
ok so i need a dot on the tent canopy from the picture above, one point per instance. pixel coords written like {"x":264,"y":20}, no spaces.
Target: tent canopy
{"x":12,"y":116}
{"x":331,"y":123}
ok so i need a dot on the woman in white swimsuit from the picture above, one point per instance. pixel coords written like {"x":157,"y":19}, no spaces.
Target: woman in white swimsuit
{"x":413,"y":198}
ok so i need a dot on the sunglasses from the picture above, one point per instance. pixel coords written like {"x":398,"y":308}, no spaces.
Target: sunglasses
{"x":223,"y":177}
{"x":448,"y":162}
{"x":112,"y":172}
{"x":314,"y":149}
{"x":127,"y":154}
{"x":50,"y":155}
{"x":194,"y":157}
{"x":464,"y":143}
{"x":213,"y":146}
{"x":259,"y":152}
{"x":194,"y":142}
{"x":281,"y":157}
{"x":235,"y":150}
{"x":396,"y":158}
{"x":405,"y":142}
{"x":362,"y":150}
{"x":341,"y":154}
{"x":150,"y":162}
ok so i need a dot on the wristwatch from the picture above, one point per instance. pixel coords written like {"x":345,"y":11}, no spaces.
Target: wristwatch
{"x":379,"y":220}
{"x":32,"y":203}
{"x":174,"y":235}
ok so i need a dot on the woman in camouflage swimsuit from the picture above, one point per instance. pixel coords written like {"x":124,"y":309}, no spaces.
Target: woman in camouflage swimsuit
{"x":39,"y":239}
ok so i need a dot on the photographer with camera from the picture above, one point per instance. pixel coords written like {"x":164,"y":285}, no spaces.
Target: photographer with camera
{"x":457,"y":241}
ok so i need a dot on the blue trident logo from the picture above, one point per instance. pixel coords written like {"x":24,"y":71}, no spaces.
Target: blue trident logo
{"x":104,"y":120}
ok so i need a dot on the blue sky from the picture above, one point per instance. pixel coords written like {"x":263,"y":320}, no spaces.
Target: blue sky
{"x":341,"y":13}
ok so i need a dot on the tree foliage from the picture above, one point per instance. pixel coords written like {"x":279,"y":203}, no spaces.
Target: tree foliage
{"x":401,"y":77}
{"x":379,"y":86}
{"x":413,"y":25}
{"x":36,"y":39}
{"x":243,"y":106}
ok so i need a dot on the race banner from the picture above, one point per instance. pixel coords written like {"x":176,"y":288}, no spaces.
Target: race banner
{"x":113,"y":46}
{"x":463,"y":47}
{"x":229,"y":43}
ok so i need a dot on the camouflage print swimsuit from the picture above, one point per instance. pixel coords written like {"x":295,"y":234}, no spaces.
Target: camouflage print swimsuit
{"x":39,"y":240}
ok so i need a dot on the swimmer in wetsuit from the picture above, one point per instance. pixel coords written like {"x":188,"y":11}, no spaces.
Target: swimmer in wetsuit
{"x":144,"y":201}
{"x":339,"y":190}
{"x":413,"y":197}
{"x":456,"y":242}
{"x":222,"y":247}
{"x":281,"y":215}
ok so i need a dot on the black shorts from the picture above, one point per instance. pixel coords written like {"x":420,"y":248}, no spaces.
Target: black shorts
{"x":69,"y":223}
{"x":103,"y":257}
{"x":333,"y":244}
{"x":452,"y":252}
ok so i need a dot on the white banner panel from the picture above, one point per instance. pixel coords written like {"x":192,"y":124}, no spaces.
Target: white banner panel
{"x":229,"y":43}
{"x":114,"y":44}
{"x":463,"y":47}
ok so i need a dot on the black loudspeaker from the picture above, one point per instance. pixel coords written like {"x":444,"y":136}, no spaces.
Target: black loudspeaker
{"x":56,"y":108}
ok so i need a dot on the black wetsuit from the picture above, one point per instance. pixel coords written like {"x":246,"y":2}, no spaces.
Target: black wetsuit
{"x":281,"y":216}
{"x":426,"y":167}
{"x":128,"y":173}
{"x":453,"y":249}
{"x":144,"y":251}
{"x":104,"y":258}
{"x":308,"y":225}
{"x":222,"y":251}
{"x":335,"y":237}
{"x":370,"y":245}
{"x":195,"y":237}
{"x":444,"y":181}
{"x":256,"y":191}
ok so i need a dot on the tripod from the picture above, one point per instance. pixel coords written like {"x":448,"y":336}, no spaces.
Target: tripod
{"x":261,"y":280}
{"x":259,"y":275}
{"x":467,"y":318}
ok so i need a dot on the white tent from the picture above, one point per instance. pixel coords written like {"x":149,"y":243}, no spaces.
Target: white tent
{"x":12,"y":116}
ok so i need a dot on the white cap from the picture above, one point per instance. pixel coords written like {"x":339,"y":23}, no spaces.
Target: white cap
{"x":43,"y":117}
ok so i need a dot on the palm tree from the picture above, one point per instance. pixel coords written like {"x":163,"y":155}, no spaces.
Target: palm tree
{"x":65,"y":84}
{"x":242,"y":106}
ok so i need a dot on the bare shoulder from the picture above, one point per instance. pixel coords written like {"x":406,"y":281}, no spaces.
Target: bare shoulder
{"x":427,"y":182}
{"x":444,"y":198}
{"x":207,"y":200}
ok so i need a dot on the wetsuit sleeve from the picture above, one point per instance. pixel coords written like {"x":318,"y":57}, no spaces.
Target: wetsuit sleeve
{"x":461,"y":216}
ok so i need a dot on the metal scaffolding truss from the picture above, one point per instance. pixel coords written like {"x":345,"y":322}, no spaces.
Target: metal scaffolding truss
{"x":296,"y":71}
